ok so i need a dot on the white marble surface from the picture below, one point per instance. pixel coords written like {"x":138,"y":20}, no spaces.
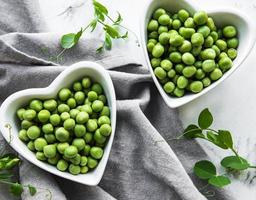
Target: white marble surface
{"x":232,"y":102}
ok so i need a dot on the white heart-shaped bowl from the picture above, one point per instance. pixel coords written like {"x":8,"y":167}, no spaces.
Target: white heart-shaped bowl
{"x":64,"y":79}
{"x":221,"y":17}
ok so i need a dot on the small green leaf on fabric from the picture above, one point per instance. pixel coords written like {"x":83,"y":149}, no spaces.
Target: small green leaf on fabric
{"x":234,"y":162}
{"x":205,"y":119}
{"x":113,"y":33}
{"x":226,"y":138}
{"x":219,"y":181}
{"x":193,"y":131}
{"x":100,"y":10}
{"x":78,"y":35}
{"x":32,"y":190}
{"x":93,"y":24}
{"x":119,"y":19}
{"x":68,"y":40}
{"x":205,"y":169}
{"x":16,"y":189}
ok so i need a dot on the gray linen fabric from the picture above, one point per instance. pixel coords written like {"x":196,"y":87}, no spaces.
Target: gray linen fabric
{"x":144,"y":162}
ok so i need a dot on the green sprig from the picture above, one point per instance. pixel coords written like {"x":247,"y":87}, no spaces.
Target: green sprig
{"x":223,"y":139}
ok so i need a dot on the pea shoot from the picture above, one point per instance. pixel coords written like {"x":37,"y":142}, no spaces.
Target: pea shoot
{"x":205,"y":169}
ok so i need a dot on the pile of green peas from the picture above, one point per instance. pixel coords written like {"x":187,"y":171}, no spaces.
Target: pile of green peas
{"x":188,"y":53}
{"x":69,"y":131}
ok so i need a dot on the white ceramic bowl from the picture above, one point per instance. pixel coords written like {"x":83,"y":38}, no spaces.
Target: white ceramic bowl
{"x":222,"y":17}
{"x":64,"y":79}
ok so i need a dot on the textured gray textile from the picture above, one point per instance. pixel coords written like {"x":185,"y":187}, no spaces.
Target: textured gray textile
{"x":142,"y":164}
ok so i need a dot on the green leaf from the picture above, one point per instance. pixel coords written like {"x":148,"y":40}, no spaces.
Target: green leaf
{"x":125,"y":35}
{"x":205,"y":169}
{"x":32,"y":190}
{"x":5,"y":175}
{"x":113,"y":33}
{"x":16,"y":189}
{"x":226,"y":138}
{"x":214,"y":138}
{"x":100,"y":49}
{"x":119,"y":19}
{"x":219,"y":181}
{"x":78,"y":35}
{"x":193,"y":131}
{"x":205,"y":119}
{"x":233,"y":162}
{"x":108,"y":41}
{"x":93,"y":24}
{"x":100,"y":11}
{"x":68,"y":40}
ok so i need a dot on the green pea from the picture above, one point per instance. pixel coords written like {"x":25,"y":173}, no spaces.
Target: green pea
{"x":185,"y":47}
{"x":189,"y":71}
{"x":97,"y":106}
{"x":214,"y":36}
{"x":25,"y":124}
{"x":204,"y":30}
{"x":83,"y":161}
{"x":200,"y":17}
{"x":55,"y":119}
{"x":20,"y":113}
{"x":71,"y":102}
{"x":33,"y":132}
{"x":152,"y":25}
{"x":171,"y":73}
{"x":175,"y":57}
{"x":166,"y":65}
{"x":105,"y":129}
{"x":62,"y":146}
{"x":164,"y":19}
{"x":189,"y":23}
{"x":64,"y":116}
{"x":163,"y":81}
{"x":64,"y":94}
{"x":178,"y":92}
{"x":36,"y":105}
{"x":103,"y":120}
{"x":50,"y":151}
{"x":162,"y":29}
{"x":216,"y":49}
{"x":155,"y":62}
{"x":198,"y":64}
{"x":210,"y":24}
{"x":29,"y":114}
{"x":197,"y":39}
{"x":54,"y":160}
{"x":62,"y":134}
{"x":50,"y":138}
{"x":98,"y":137}
{"x":186,"y":32}
{"x":221,"y":44}
{"x":76,"y":160}
{"x":206,"y":81}
{"x":70,"y":152}
{"x":23,"y":135}
{"x":96,"y":87}
{"x":169,"y":87}
{"x":82,"y":117}
{"x":91,"y":125}
{"x":188,"y":58}
{"x":208,"y":41}
{"x":196,"y":50}
{"x":73,"y":113}
{"x":158,"y":13}
{"x":40,"y":156}
{"x":176,"y":40}
{"x":223,"y":55}
{"x":79,"y":143}
{"x":153,"y":35}
{"x":79,"y":130}
{"x":160,"y":73}
{"x":176,"y":24}
{"x":74,"y":169}
{"x":173,"y":32}
{"x":225,"y":63}
{"x":158,"y":50}
{"x":69,"y":124}
{"x":216,"y":74}
{"x":92,"y":163}
{"x":232,"y":53}
{"x":150,"y":46}
{"x":43,"y":116}
{"x":50,"y":104}
{"x":96,"y":152}
{"x":232,"y":43}
{"x":229,"y":31}
{"x":88,"y":109}
{"x":77,"y":86}
{"x":208,"y":65}
{"x":182,"y":82}
{"x":164,"y":38}
{"x":31,"y":146}
{"x":208,"y":54}
{"x":183,"y":15}
{"x":105,"y":111}
{"x":196,"y":86}
{"x":86,"y":150}
{"x":62,"y":165}
{"x":199,"y":74}
{"x":84,"y":169}
{"x":86,"y":82}
{"x":175,"y":16}
{"x":47,"y":128}
{"x":88,"y":137}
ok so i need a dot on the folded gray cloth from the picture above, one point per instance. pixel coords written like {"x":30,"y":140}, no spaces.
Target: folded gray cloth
{"x":144,"y":163}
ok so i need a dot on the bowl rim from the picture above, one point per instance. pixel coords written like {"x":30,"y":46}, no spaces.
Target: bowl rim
{"x":51,"y":88}
{"x":166,"y":97}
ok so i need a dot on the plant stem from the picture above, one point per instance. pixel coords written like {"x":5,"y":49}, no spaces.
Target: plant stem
{"x":252,"y":166}
{"x":209,"y":129}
